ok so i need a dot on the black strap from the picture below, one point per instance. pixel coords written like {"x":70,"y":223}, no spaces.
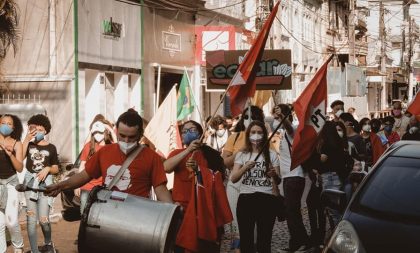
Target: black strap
{"x":236,"y":138}
{"x":288,"y":143}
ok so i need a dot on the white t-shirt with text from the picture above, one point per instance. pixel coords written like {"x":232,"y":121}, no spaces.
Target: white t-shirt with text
{"x":255,"y":179}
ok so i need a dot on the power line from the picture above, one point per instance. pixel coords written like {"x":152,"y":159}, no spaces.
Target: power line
{"x":298,"y":41}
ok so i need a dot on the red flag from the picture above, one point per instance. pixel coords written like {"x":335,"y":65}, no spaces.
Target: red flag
{"x":243,"y":82}
{"x":414,"y":107}
{"x":310,"y":108}
{"x":207,"y":211}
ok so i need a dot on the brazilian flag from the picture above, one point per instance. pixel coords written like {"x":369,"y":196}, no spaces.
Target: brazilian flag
{"x":185,"y":100}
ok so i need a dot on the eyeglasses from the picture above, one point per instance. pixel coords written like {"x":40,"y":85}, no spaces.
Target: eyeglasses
{"x":189,"y":130}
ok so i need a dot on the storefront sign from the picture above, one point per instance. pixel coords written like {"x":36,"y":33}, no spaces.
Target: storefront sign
{"x":171,"y":41}
{"x":111,"y":29}
{"x":273,"y":73}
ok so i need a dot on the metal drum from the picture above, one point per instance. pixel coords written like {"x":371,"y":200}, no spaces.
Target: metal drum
{"x":119,"y":222}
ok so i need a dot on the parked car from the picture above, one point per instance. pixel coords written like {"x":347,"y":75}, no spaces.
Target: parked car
{"x":384,"y":212}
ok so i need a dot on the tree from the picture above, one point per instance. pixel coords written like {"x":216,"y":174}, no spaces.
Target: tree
{"x":8,"y":27}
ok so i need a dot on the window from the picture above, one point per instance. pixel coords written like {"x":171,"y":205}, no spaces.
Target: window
{"x":393,"y":190}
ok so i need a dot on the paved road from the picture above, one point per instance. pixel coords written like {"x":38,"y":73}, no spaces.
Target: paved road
{"x":65,"y":233}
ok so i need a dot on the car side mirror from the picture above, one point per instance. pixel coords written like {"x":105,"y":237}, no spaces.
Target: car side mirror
{"x":334,"y":199}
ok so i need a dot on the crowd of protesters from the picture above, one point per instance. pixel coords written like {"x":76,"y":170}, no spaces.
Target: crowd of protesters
{"x":232,"y":151}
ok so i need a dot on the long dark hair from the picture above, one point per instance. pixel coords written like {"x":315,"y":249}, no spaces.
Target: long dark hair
{"x":265,"y":149}
{"x":17,"y":126}
{"x":345,"y":138}
{"x":329,"y":137}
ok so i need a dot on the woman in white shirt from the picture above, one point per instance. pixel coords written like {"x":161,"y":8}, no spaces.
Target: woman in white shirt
{"x":259,"y":182}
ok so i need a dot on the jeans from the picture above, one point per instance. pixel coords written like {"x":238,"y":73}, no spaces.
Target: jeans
{"x":9,"y":217}
{"x":331,"y":180}
{"x":37,"y":210}
{"x":293,"y":191}
{"x":316,"y":215}
{"x":256,"y":209}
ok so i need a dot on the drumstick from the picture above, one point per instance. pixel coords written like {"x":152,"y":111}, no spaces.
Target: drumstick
{"x":24,"y":188}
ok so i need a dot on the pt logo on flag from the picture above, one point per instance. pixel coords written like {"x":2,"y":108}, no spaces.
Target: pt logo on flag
{"x":317,"y":118}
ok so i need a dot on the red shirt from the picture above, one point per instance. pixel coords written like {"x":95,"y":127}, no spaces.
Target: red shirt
{"x":145,"y":171}
{"x":181,"y":192}
{"x":393,"y":137}
{"x":84,"y":157}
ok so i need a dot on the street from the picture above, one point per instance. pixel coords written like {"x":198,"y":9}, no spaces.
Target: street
{"x":65,"y":233}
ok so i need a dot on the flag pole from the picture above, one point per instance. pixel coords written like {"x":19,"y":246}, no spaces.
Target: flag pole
{"x":192,"y":93}
{"x":217,"y":108}
{"x":272,"y":134}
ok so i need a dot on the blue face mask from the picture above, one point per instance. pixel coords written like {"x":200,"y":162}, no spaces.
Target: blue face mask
{"x":5,"y":130}
{"x":388,"y":128}
{"x":39,"y":137}
{"x":190,"y":137}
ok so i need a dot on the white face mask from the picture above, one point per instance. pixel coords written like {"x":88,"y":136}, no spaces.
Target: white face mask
{"x":220,"y":132}
{"x":338,"y":113}
{"x":413,"y":130}
{"x":126,"y":147}
{"x":366,"y":128}
{"x":340,"y":133}
{"x":98,"y":137}
{"x":247,"y":122}
{"x":276,"y":123}
{"x":255,"y":138}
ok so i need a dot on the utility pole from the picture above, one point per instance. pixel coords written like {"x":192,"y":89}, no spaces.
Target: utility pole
{"x":381,"y":93}
{"x":352,"y":38}
{"x":409,"y":63}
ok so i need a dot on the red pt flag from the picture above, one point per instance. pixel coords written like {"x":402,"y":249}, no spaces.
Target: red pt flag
{"x":414,"y":107}
{"x":310,"y":108}
{"x":243,"y":85}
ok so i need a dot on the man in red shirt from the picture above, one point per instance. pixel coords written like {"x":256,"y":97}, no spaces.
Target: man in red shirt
{"x":144,"y":172}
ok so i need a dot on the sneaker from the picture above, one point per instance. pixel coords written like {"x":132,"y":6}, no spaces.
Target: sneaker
{"x":47,"y":248}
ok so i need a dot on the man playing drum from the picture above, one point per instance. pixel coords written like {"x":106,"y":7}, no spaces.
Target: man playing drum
{"x":145,"y":171}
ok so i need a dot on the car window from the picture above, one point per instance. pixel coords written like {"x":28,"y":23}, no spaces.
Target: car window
{"x":394,"y":188}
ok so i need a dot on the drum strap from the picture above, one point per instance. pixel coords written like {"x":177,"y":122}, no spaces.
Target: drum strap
{"x":124,"y":166}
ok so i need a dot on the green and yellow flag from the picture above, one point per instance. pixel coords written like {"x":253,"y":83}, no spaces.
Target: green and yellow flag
{"x":185,"y":100}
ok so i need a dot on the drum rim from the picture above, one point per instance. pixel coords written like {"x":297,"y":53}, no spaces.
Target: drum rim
{"x":82,"y":246}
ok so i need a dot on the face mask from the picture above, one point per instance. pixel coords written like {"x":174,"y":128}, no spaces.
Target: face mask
{"x":5,"y":130}
{"x":388,"y":128}
{"x":340,"y":133}
{"x":98,"y":137}
{"x":413,"y":130}
{"x":366,"y":128}
{"x":255,"y":138}
{"x":126,"y":147}
{"x":39,"y":136}
{"x":220,"y":132}
{"x":247,"y":122}
{"x":396,"y":112}
{"x":276,"y":123}
{"x":338,"y":113}
{"x":190,"y":137}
